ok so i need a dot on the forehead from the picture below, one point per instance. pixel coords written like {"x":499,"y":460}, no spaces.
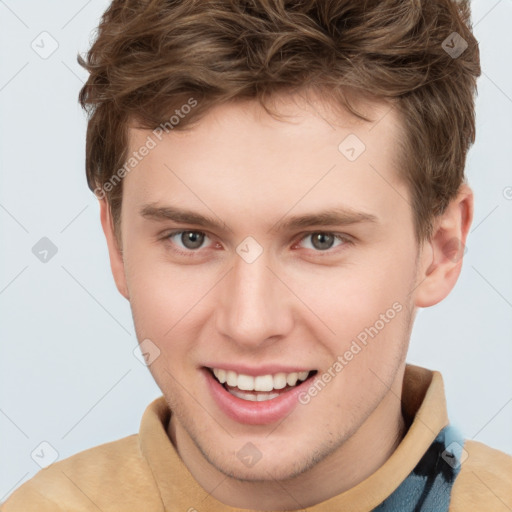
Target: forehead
{"x":239,"y":158}
{"x":302,"y":113}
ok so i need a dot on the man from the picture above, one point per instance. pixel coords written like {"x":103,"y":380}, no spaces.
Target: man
{"x":281,"y":188}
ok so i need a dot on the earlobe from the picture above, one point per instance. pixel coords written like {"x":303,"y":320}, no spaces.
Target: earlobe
{"x":441,"y":257}
{"x":114,"y":251}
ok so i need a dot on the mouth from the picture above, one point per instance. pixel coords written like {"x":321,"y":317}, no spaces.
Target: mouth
{"x":260,"y":388}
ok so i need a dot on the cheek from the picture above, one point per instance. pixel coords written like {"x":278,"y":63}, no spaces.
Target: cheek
{"x":367,"y":311}
{"x":348,"y":299}
{"x":153,"y":293}
{"x":168,"y":302}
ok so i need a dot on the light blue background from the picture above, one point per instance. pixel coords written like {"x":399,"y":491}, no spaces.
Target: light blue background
{"x":68,"y":373}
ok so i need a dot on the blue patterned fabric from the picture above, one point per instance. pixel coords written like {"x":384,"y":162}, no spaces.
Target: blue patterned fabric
{"x":429,"y":485}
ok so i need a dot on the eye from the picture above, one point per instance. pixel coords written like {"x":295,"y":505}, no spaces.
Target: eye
{"x":187,"y":242}
{"x":322,"y":241}
{"x":190,"y":240}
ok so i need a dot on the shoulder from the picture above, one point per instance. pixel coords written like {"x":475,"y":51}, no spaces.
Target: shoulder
{"x":484,"y":481}
{"x":111,"y":476}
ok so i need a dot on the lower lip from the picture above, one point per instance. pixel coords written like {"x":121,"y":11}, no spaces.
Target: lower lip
{"x":254,"y":413}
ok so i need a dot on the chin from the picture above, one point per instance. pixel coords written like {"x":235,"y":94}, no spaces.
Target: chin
{"x":262,"y":471}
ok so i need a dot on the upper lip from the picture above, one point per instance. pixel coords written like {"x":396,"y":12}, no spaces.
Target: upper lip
{"x":270,"y":369}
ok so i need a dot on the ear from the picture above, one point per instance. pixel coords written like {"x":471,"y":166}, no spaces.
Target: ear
{"x":441,"y":256}
{"x":114,"y":251}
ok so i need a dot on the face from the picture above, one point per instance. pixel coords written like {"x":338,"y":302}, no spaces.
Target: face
{"x":308,"y":263}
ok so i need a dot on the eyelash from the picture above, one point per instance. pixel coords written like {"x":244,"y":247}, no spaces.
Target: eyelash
{"x":191,"y":253}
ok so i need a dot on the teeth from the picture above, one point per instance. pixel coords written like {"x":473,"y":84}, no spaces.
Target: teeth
{"x":260,"y":397}
{"x":231,"y":378}
{"x":303,"y":375}
{"x":280,"y":381}
{"x":264,"y":383}
{"x":291,"y":379}
{"x":246,"y":383}
{"x":221,"y":375}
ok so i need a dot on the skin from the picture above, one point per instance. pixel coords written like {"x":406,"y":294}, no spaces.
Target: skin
{"x":296,"y":304}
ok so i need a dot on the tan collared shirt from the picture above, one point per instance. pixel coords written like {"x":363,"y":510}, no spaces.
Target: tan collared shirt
{"x":143,"y":472}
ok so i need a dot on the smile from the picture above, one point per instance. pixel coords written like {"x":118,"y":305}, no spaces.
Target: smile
{"x":258,"y":388}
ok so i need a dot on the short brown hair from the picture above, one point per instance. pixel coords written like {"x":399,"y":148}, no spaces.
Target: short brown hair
{"x":151,"y":57}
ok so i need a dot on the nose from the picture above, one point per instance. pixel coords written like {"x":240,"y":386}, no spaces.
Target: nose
{"x":255,"y":306}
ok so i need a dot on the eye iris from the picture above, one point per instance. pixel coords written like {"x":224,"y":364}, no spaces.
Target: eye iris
{"x":321,"y":238}
{"x":193,"y":238}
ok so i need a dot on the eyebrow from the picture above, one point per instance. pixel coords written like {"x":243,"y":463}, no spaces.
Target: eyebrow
{"x":330,"y":217}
